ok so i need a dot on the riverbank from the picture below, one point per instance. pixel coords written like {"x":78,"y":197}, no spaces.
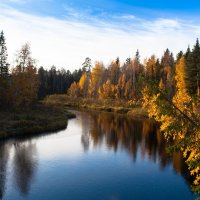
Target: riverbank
{"x":40,"y":119}
{"x":131,"y":108}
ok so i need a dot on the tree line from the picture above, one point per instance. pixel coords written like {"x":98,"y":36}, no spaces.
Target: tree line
{"x":127,"y":80}
{"x":24,"y":84}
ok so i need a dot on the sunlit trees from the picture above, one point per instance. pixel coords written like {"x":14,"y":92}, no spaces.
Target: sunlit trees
{"x":84,"y":84}
{"x":96,"y":79}
{"x":181,"y":98}
{"x":107,"y":90}
{"x":179,"y":119}
{"x":151,"y":69}
{"x":74,"y":90}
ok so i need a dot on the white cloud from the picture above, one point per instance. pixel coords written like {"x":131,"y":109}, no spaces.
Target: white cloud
{"x":128,"y":17}
{"x":66,"y":42}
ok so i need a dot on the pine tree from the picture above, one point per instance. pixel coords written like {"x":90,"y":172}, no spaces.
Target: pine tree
{"x":193,"y":69}
{"x":3,"y":56}
{"x":3,"y":71}
{"x":168,"y":71}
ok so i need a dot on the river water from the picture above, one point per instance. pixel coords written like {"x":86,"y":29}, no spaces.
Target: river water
{"x":99,"y":156}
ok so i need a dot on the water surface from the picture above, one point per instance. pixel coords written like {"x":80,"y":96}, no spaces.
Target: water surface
{"x":100,"y":156}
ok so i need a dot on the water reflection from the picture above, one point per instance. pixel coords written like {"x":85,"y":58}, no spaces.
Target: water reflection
{"x":85,"y":137}
{"x":137,"y":137}
{"x":63,"y":159}
{"x":4,"y":154}
{"x":25,"y":163}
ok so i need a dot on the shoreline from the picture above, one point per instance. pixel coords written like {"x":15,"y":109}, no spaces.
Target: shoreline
{"x":29,"y":122}
{"x":53,"y":115}
{"x":106,"y":105}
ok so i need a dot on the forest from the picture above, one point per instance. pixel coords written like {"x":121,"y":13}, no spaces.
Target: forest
{"x":167,"y":87}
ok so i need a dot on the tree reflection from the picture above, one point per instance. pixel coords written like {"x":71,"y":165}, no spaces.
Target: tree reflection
{"x":133,"y":136}
{"x":85,"y":137}
{"x":4,"y":155}
{"x":25,"y":164}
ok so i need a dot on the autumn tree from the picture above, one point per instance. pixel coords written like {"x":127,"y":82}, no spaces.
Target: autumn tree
{"x":120,"y":87}
{"x":129,"y":90}
{"x":151,"y":68}
{"x":96,"y":79}
{"x":84,"y":84}
{"x":114,"y":70}
{"x":107,"y":91}
{"x":179,"y":119}
{"x":74,"y":90}
{"x":24,"y":78}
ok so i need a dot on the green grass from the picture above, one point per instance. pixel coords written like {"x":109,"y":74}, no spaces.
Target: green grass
{"x":41,"y":119}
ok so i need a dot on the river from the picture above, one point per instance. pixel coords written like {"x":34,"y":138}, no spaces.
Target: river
{"x":99,"y":156}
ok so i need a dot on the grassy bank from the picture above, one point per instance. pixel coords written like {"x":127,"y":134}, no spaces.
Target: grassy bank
{"x":26,"y":122}
{"x":133,"y":109}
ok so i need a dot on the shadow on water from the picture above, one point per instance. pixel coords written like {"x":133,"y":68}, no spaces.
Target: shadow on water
{"x":119,"y":132}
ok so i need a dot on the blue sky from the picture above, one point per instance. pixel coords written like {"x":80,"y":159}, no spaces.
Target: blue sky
{"x":100,"y":29}
{"x":141,"y":8}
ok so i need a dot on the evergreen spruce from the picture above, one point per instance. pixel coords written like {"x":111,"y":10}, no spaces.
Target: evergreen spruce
{"x":193,"y":69}
{"x":3,"y":56}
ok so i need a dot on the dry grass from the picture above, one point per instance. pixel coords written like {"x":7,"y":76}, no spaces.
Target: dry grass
{"x":109,"y":105}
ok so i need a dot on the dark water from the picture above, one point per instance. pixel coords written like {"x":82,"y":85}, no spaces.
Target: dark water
{"x":99,"y":156}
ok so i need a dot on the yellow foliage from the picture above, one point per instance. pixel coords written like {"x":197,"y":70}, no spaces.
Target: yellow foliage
{"x":96,"y":79}
{"x":107,"y":90}
{"x":84,"y":84}
{"x":173,"y":120}
{"x":74,"y":90}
